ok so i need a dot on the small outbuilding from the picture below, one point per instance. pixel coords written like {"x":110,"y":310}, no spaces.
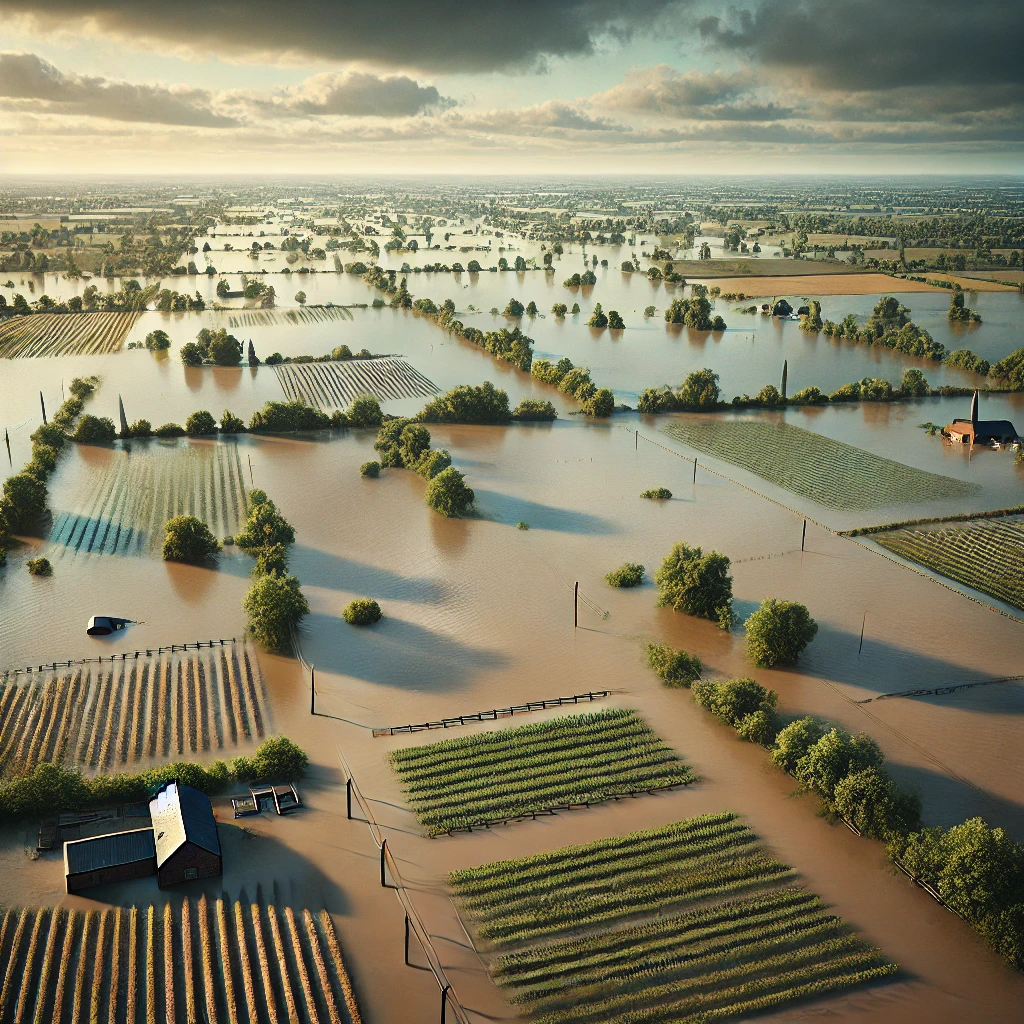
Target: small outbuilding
{"x":187,"y":846}
{"x":979,"y":431}
{"x":117,"y":857}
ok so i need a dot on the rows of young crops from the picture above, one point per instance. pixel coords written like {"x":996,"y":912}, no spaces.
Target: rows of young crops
{"x":691,"y":921}
{"x":333,"y":385}
{"x":832,"y":473}
{"x":219,"y":962}
{"x":129,"y":502}
{"x":512,"y":773}
{"x":64,"y":334}
{"x":113,"y":714}
{"x":300,"y":315}
{"x":985,"y":554}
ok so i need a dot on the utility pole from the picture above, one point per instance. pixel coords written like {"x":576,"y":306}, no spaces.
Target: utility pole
{"x":695,"y":472}
{"x":803,"y":538}
{"x":576,"y":605}
{"x":43,"y":405}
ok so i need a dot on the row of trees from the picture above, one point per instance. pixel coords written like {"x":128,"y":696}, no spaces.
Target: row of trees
{"x":575,"y":381}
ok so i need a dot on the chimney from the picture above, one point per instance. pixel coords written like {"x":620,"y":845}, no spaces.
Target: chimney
{"x":974,"y":408}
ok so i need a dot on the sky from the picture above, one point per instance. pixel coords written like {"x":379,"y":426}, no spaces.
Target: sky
{"x":518,"y":87}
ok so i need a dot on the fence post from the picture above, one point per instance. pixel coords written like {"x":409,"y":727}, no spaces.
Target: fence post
{"x":312,"y":689}
{"x":694,"y":470}
{"x":576,"y":605}
{"x":444,"y":1000}
{"x":803,"y":537}
{"x":383,"y":857}
{"x":407,"y":964}
{"x":348,"y":798}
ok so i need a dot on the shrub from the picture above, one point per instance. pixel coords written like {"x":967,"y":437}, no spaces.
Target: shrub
{"x":809,"y":396}
{"x":141,"y":428}
{"x":793,"y":742}
{"x":598,"y":317}
{"x":158,"y":341}
{"x":231,"y":424}
{"x":39,"y":567}
{"x":24,"y":502}
{"x":278,"y":758}
{"x":734,"y":700}
{"x":264,"y":525}
{"x":286,"y":417}
{"x":965,"y":359}
{"x":364,"y":412}
{"x":363,"y":611}
{"x":697,"y":584}
{"x":200,"y":424}
{"x":760,"y":727}
{"x":275,"y":605}
{"x":467,"y":403}
{"x":370,"y":469}
{"x":871,"y":801}
{"x":270,"y":558}
{"x":514,"y":308}
{"x":615,"y":321}
{"x":629,"y":574}
{"x":170,"y":430}
{"x":449,"y":495}
{"x":534,"y":410}
{"x":432,"y":463}
{"x":657,"y":494}
{"x":522,"y":526}
{"x":44,"y":459}
{"x":191,"y":355}
{"x":187,"y":539}
{"x":600,"y":403}
{"x":559,"y":309}
{"x":834,"y":756}
{"x":50,"y":434}
{"x":778,"y":632}
{"x":94,"y":430}
{"x":81,"y":387}
{"x":914,"y":384}
{"x":674,"y":668}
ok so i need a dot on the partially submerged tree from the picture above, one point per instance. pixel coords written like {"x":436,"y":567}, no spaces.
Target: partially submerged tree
{"x":697,"y":584}
{"x":189,"y":540}
{"x":778,"y":632}
{"x":449,"y":494}
{"x":275,"y":606}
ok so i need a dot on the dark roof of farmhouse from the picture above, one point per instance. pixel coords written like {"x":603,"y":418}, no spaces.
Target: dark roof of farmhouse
{"x":113,"y":850}
{"x":182,"y":815}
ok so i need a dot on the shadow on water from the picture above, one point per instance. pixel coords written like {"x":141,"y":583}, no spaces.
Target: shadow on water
{"x":394,"y":653}
{"x":322,"y":569}
{"x":509,"y":509}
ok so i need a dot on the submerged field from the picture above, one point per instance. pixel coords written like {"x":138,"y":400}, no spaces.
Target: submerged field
{"x":827,"y":471}
{"x":64,"y":334}
{"x":694,"y":921}
{"x":104,"y":716}
{"x":577,"y":760}
{"x":145,"y":483}
{"x":333,"y":385}
{"x":219,"y":961}
{"x":987,"y":555}
{"x":294,"y":317}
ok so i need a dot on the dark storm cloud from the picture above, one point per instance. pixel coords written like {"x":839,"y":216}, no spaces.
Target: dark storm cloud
{"x":875,"y":45}
{"x":445,"y":35}
{"x":31,"y":83}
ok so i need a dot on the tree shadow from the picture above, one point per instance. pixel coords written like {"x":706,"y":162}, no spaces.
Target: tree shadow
{"x":510,"y":509}
{"x":321,"y":569}
{"x":394,"y":652}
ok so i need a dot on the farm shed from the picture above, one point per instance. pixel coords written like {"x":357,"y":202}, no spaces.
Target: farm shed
{"x":187,"y":846}
{"x":116,"y":857}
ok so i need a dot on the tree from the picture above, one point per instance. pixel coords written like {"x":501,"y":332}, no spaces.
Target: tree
{"x":277,"y":757}
{"x":94,"y":430}
{"x":696,"y":584}
{"x":674,"y":668}
{"x":191,"y":354}
{"x":600,"y":403}
{"x":914,"y":384}
{"x":559,"y":309}
{"x":189,"y":540}
{"x":200,"y":424}
{"x":615,"y":321}
{"x":275,"y":606}
{"x":468,"y":403}
{"x":875,"y":805}
{"x":158,"y":341}
{"x":735,"y":699}
{"x":264,"y":525}
{"x":24,"y":502}
{"x":224,"y":349}
{"x":300,"y":298}
{"x":1010,"y":371}
{"x":531,"y":309}
{"x":364,"y":412}
{"x":778,"y":632}
{"x":449,"y":495}
{"x":698,"y":391}
{"x":363,"y":611}
{"x":834,"y":756}
{"x":793,"y":742}
{"x":514,"y":308}
{"x":597,"y":317}
{"x":629,"y":574}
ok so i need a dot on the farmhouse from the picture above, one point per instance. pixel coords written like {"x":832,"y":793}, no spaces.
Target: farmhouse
{"x":187,"y":846}
{"x":976,"y":431}
{"x":117,"y":857}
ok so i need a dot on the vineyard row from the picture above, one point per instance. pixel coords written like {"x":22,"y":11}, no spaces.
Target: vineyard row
{"x":333,"y":385}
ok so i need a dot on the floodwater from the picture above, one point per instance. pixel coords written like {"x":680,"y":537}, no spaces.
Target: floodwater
{"x":478,"y":615}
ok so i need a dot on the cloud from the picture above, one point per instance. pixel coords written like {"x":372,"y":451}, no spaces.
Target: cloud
{"x":355,"y":94}
{"x":690,"y":95}
{"x":29,"y":82}
{"x":552,"y":116}
{"x":439,"y":35}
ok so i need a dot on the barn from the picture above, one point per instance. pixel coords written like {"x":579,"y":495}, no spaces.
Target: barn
{"x":117,"y":857}
{"x":187,"y":846}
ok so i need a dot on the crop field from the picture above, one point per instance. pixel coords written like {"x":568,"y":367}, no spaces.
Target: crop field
{"x":113,"y":714}
{"x":985,"y":554}
{"x":125,"y":509}
{"x":494,"y":777}
{"x":832,"y":473}
{"x":279,"y":317}
{"x":64,"y":334}
{"x":214,"y":961}
{"x":694,"y":921}
{"x":333,"y":385}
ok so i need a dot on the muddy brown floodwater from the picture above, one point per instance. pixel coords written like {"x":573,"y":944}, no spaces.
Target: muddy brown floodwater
{"x":478,"y":615}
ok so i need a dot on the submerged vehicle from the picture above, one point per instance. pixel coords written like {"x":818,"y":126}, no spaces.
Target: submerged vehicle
{"x":105,"y":625}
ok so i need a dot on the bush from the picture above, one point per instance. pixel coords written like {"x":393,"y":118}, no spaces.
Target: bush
{"x":50,"y":434}
{"x":200,"y":424}
{"x":39,"y":567}
{"x":141,"y":428}
{"x":534,"y":410}
{"x":697,"y":584}
{"x":278,"y":758}
{"x":871,"y":801}
{"x":559,"y":309}
{"x":522,"y":526}
{"x":270,"y":558}
{"x":778,"y":632}
{"x":370,"y":469}
{"x":467,"y":403}
{"x":158,"y":341}
{"x":191,"y":354}
{"x":809,"y":396}
{"x":170,"y":430}
{"x":449,"y":495}
{"x":24,"y":503}
{"x":836,"y":755}
{"x":513,"y":309}
{"x":231,"y":424}
{"x":275,"y":605}
{"x":364,"y":412}
{"x":734,"y":700}
{"x":793,"y":742}
{"x":94,"y":430}
{"x":264,"y":525}
{"x":657,"y":494}
{"x":287,"y":417}
{"x":432,"y":463}
{"x":914,"y":384}
{"x":629,"y":574}
{"x":363,"y":611}
{"x":600,"y":403}
{"x":674,"y":668}
{"x":187,"y":539}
